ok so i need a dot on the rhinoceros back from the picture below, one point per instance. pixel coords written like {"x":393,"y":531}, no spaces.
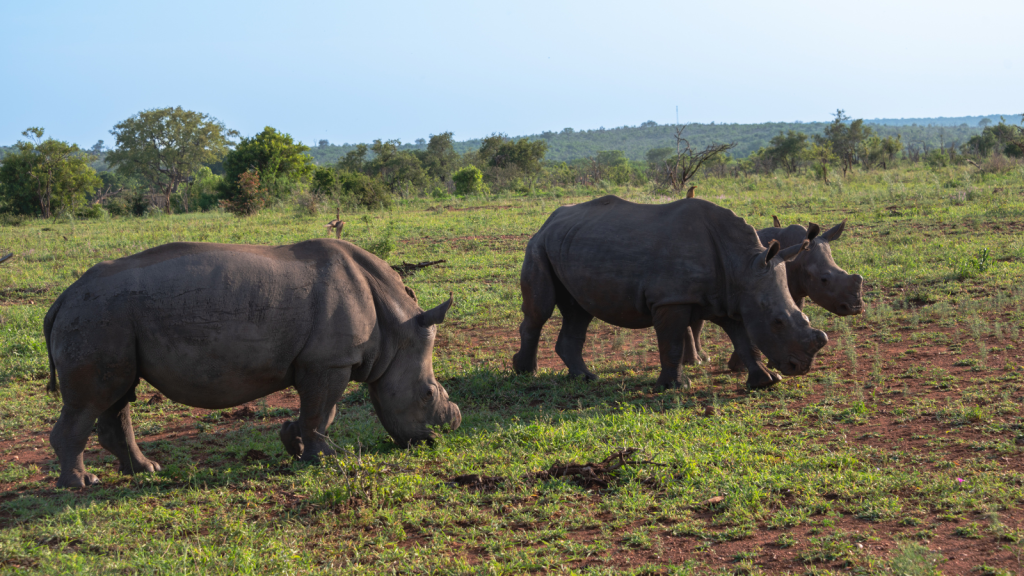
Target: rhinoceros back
{"x":198,"y":318}
{"x":619,"y":259}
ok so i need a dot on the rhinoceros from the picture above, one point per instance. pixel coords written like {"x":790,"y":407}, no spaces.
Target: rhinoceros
{"x":217,"y":325}
{"x":636,"y":265}
{"x":813,"y":274}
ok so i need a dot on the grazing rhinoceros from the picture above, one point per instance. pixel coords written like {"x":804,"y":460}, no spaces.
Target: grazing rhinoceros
{"x":812,"y":274}
{"x":217,"y":325}
{"x":636,"y":265}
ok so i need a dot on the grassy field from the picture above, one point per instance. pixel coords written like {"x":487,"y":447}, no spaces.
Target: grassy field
{"x":901,"y":452}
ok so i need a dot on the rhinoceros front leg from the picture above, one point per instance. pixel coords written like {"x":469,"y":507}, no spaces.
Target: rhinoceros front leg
{"x":116,"y":434}
{"x":572,"y":337}
{"x":675,"y":339}
{"x":319,"y":393}
{"x":758,"y":377}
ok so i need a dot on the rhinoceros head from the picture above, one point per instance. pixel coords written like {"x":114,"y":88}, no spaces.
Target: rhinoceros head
{"x":408,"y":398}
{"x":773,"y":321}
{"x":817,"y":275}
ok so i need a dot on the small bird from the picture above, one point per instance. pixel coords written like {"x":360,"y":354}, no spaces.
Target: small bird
{"x":337,"y":224}
{"x":689,"y":193}
{"x":775,"y":221}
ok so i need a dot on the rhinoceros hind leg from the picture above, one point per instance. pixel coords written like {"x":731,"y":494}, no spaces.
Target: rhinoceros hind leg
{"x":572,"y":337}
{"x":538,"y":287}
{"x":115,"y":432}
{"x":68,"y":438}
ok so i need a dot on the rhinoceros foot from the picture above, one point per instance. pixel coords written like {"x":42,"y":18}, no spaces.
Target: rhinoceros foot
{"x":145,"y":465}
{"x":77,"y":480}
{"x":291,"y":438}
{"x":736,"y":363}
{"x":762,"y":380}
{"x":520,"y":365}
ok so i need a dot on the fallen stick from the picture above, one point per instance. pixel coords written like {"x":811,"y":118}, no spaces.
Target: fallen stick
{"x":404,"y":269}
{"x":6,"y":258}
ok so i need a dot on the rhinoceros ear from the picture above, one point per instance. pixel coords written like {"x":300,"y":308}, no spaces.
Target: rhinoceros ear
{"x":436,"y":315}
{"x":813,"y":230}
{"x":793,"y":251}
{"x":770,"y":252}
{"x":834,"y":232}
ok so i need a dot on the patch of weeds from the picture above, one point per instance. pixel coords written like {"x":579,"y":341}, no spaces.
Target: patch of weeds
{"x":638,"y":539}
{"x":986,"y":570}
{"x":972,"y":530}
{"x":965,"y":267}
{"x":785,"y":540}
{"x":826,"y":549}
{"x":912,"y":559}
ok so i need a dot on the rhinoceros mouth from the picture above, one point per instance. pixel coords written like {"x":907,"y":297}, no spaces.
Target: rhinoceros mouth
{"x":795,"y":365}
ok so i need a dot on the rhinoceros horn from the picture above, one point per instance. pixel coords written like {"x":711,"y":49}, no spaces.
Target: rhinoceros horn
{"x":436,"y":314}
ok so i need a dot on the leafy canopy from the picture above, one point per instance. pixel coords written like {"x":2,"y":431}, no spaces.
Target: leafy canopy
{"x":165,"y":146}
{"x":44,"y":176}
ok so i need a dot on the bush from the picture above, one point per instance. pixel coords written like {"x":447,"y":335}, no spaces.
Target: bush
{"x":12,"y":219}
{"x":128,"y":203}
{"x":250,"y":196}
{"x":936,"y":158}
{"x":468,"y":181}
{"x":365,"y":191}
{"x":92,"y":212}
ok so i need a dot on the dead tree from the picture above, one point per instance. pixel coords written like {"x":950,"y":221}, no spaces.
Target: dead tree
{"x":684,"y":165}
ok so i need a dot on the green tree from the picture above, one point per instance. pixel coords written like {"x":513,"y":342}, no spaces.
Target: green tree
{"x":787,"y":149}
{"x":47,"y":175}
{"x":846,"y":137}
{"x":364,"y":190}
{"x":468,"y":181}
{"x":165,"y":146}
{"x":354,"y":160}
{"x":510,"y":159}
{"x":823,"y":157}
{"x":440,"y":157}
{"x":271,"y":153}
{"x":395,"y":168}
{"x":323,"y":181}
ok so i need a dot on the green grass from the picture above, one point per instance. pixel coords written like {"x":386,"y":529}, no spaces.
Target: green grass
{"x":804,"y":472}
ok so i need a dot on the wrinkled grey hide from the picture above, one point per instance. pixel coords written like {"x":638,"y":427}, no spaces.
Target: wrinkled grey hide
{"x":217,"y":325}
{"x":813,"y":274}
{"x":636,"y":265}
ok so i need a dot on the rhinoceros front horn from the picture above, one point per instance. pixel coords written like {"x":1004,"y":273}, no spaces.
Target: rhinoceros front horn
{"x":436,"y":314}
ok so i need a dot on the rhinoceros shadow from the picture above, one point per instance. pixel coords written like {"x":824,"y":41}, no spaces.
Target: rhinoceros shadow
{"x":215,"y":457}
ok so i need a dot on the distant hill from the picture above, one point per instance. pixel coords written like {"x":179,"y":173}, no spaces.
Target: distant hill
{"x":635,"y":141}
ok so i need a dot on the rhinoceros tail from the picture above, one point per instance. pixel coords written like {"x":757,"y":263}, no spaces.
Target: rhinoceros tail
{"x":51,"y":315}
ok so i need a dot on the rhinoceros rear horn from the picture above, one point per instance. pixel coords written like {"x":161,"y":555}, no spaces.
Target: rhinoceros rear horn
{"x":793,"y":251}
{"x":436,"y":314}
{"x":813,"y":230}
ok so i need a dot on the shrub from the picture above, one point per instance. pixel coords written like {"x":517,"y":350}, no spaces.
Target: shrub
{"x":128,"y":203}
{"x":250,"y":197}
{"x":468,"y":181}
{"x":937,"y":158}
{"x":92,"y":212}
{"x":365,"y":191}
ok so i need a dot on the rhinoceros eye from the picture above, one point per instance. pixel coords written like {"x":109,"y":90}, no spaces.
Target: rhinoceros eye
{"x":824,"y":279}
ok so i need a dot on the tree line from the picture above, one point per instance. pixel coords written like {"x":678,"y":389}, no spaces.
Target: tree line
{"x":178,"y":160}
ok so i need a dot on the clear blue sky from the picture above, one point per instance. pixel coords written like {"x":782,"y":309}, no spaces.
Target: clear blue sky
{"x":353,"y":72}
